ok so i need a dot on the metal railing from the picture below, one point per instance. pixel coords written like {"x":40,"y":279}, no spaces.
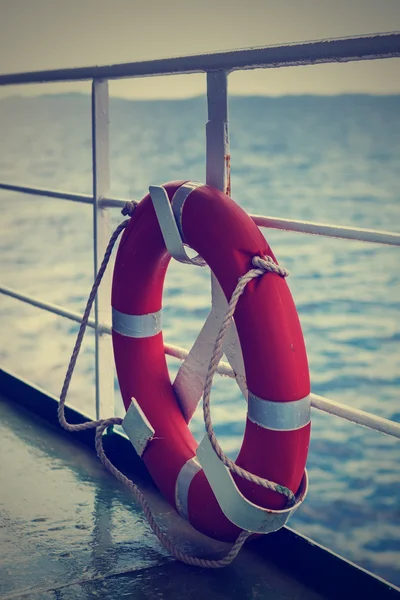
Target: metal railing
{"x":217,"y":66}
{"x":368,"y":47}
{"x":375,"y":236}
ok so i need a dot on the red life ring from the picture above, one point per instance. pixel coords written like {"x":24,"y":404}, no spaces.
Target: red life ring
{"x":276,"y":439}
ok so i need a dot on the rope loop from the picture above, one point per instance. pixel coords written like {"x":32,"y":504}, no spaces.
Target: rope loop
{"x":264,"y":265}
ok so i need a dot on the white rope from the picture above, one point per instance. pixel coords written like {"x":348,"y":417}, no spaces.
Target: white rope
{"x":262,"y":265}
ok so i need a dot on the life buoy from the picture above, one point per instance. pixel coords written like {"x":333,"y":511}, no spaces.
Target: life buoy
{"x":277,"y":432}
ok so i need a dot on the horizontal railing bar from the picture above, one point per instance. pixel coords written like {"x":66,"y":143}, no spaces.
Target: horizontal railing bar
{"x":114,"y":202}
{"x":287,"y":55}
{"x":374,"y":236}
{"x":85,"y":198}
{"x":53,"y":308}
{"x":360,"y":417}
{"x":390,"y":238}
{"x":174,"y":351}
{"x":36,"y":191}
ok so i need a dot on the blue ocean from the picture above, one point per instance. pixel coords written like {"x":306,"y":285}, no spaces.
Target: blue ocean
{"x":328,"y":159}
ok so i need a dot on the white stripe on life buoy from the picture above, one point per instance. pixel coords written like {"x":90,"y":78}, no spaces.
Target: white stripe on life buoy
{"x":136,"y":326}
{"x":279,"y":416}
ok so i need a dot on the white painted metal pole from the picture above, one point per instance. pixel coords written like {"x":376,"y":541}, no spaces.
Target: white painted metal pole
{"x":217,"y":134}
{"x":219,"y":176}
{"x":60,"y":195}
{"x":48,"y":306}
{"x":375,"y":46}
{"x":374,"y":236}
{"x":355,"y":415}
{"x":104,"y":360}
{"x":190,"y":379}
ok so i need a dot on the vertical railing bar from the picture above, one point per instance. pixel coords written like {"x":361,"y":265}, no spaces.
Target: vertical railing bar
{"x":217,"y":133}
{"x":218,"y":175}
{"x":104,"y":369}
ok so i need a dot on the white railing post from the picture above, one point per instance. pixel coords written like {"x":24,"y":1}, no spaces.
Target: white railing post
{"x":218,"y":174}
{"x":104,"y":361}
{"x":217,"y":133}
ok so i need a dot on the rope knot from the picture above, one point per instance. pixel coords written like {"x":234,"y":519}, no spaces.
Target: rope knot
{"x":129,"y":207}
{"x":267,"y":264}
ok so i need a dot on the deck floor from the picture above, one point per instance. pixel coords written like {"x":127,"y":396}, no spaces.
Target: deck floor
{"x":69,"y":530}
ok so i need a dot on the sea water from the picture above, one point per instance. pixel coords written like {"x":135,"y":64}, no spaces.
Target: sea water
{"x":327,"y":159}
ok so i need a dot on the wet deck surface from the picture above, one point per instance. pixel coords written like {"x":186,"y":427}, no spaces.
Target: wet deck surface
{"x":68,"y":530}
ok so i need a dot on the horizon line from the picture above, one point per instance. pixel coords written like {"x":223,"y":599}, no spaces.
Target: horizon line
{"x":199,"y":96}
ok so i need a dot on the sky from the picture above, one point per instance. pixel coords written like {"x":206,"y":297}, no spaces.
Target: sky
{"x":47,"y":34}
